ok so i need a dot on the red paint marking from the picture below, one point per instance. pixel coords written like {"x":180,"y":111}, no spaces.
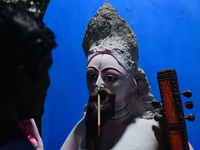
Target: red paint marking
{"x":99,"y":129}
{"x":31,"y":138}
{"x":100,"y":65}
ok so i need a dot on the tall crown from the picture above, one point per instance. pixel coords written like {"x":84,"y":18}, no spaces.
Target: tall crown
{"x":108,"y":31}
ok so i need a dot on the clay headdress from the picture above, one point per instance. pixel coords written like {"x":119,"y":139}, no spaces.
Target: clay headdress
{"x":107,"y":32}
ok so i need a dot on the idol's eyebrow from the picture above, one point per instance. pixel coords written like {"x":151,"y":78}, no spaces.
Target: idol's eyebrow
{"x":104,"y":70}
{"x":107,"y":69}
{"x":92,"y":68}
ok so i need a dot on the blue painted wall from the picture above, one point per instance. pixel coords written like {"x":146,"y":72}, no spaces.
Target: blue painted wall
{"x":168,"y":36}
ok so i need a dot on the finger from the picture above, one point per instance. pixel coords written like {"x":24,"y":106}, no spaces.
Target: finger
{"x":104,"y":93}
{"x":109,"y":103}
{"x":110,"y":98}
{"x":93,"y":95}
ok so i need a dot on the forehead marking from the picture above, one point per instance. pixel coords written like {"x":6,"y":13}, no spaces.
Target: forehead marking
{"x":100,"y":65}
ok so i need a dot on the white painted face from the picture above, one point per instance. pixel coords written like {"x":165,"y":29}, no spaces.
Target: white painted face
{"x":104,"y":70}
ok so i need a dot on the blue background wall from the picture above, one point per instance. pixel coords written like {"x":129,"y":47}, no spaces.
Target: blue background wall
{"x":168,"y":36}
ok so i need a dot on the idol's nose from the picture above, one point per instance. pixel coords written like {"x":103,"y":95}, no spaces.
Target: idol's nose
{"x":100,"y":83}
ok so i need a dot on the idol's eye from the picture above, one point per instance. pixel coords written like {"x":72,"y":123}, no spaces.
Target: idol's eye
{"x":110,"y":78}
{"x":92,"y":75}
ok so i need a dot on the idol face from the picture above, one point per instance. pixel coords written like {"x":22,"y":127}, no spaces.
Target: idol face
{"x":103,"y":70}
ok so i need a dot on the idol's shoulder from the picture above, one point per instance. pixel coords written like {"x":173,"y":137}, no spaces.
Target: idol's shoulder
{"x":141,"y":125}
{"x":141,"y":134}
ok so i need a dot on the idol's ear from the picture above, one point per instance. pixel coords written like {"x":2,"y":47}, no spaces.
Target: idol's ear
{"x":22,"y":80}
{"x":133,"y":85}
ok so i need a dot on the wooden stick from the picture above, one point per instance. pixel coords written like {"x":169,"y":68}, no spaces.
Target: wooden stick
{"x":98,"y":103}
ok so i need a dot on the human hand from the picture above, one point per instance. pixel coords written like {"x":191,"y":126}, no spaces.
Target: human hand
{"x":30,"y":129}
{"x":107,"y":109}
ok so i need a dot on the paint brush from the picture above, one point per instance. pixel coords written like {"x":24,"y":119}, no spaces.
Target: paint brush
{"x":98,"y":113}
{"x":99,"y":123}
